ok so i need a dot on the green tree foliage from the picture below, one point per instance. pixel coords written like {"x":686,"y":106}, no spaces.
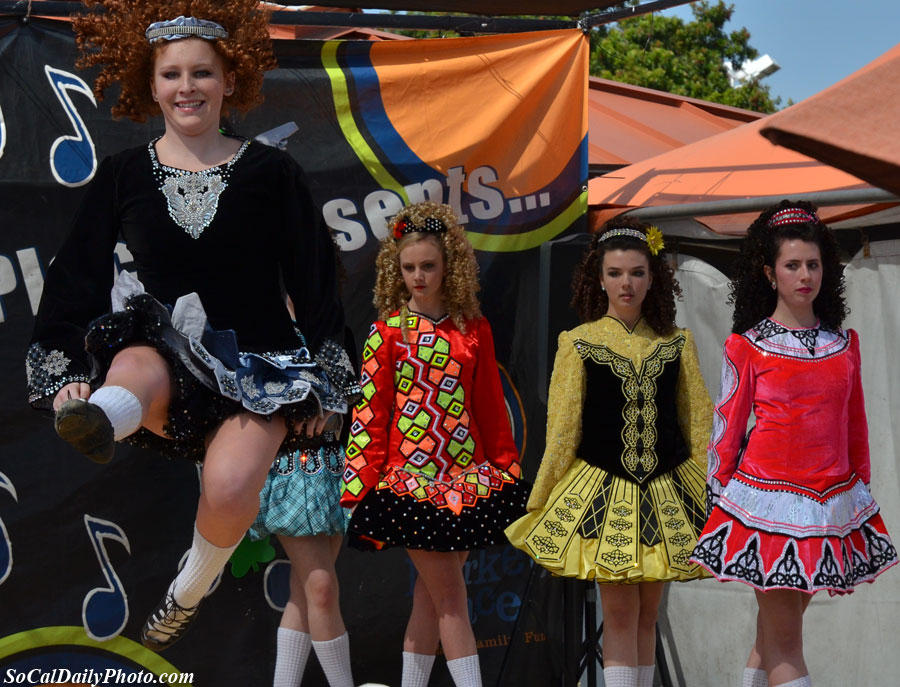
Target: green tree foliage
{"x":685,"y":58}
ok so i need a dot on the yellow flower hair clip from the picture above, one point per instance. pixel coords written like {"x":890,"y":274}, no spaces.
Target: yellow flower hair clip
{"x":655,"y":240}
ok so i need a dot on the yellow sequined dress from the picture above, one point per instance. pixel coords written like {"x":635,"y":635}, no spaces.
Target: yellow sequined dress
{"x":620,"y":494}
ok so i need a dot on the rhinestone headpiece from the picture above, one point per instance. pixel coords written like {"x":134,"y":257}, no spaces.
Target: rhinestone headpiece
{"x":792,"y":216}
{"x":653,"y":238}
{"x":184,"y":27}
{"x":431,"y":225}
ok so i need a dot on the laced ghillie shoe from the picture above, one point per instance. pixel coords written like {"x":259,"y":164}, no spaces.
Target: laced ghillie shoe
{"x":167,"y":624}
{"x":86,"y":427}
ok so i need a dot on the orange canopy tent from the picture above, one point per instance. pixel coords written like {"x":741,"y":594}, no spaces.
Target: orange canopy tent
{"x":740,"y":171}
{"x":851,"y":125}
{"x":628,"y":123}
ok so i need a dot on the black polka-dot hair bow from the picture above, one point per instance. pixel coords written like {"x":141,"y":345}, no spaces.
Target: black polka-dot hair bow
{"x":431,"y":225}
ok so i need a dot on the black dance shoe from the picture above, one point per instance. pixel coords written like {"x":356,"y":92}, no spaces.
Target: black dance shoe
{"x":86,"y":427}
{"x":167,"y":624}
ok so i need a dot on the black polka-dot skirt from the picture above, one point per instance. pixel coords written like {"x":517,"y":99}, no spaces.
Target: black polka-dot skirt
{"x":416,"y":511}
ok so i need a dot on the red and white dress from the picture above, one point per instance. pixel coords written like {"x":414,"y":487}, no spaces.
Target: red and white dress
{"x":790,"y":504}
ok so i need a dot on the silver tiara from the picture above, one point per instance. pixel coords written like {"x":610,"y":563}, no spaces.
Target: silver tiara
{"x":184,"y":27}
{"x":633,"y":233}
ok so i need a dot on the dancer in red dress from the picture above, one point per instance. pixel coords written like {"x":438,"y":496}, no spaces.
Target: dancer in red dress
{"x":791,"y":513}
{"x":431,"y":464}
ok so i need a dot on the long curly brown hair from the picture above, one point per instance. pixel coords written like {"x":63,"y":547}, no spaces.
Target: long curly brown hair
{"x":460,"y":283}
{"x":751,"y":291}
{"x":114,"y":39}
{"x":591,"y":302}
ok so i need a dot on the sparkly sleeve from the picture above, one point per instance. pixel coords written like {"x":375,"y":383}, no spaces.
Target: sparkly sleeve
{"x":736,"y":391}
{"x":489,"y":407}
{"x":564,"y":406}
{"x":858,"y":428}
{"x":76,"y":291}
{"x":694,"y":406}
{"x":367,"y":446}
{"x":309,"y":265}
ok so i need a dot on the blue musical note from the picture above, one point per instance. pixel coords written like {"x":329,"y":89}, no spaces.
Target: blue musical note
{"x":5,"y":545}
{"x":105,"y":609}
{"x":73,"y":159}
{"x":277,"y":583}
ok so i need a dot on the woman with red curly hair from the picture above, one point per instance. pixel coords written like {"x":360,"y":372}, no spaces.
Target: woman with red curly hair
{"x":791,"y":512}
{"x":199,"y":359}
{"x":431,"y":464}
{"x":619,"y":496}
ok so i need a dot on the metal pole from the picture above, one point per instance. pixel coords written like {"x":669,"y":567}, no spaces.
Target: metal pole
{"x":593,"y":20}
{"x":739,"y":205}
{"x":413,"y":22}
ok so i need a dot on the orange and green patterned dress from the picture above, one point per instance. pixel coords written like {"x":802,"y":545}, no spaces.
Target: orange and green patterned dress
{"x":431,"y":463}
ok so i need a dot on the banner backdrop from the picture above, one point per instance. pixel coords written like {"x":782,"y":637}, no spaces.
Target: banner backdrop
{"x":494,"y":126}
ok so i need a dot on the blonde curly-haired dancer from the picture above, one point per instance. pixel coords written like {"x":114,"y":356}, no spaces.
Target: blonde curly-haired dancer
{"x":430,"y":463}
{"x":222,"y":374}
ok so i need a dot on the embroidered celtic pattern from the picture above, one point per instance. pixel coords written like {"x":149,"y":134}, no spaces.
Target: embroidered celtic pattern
{"x":679,"y":539}
{"x":564,"y":514}
{"x":807,"y":337}
{"x":616,"y":557}
{"x":639,"y":388}
{"x":683,"y":557}
{"x":545,"y":545}
{"x":571,"y":503}
{"x":747,"y":565}
{"x":788,"y":571}
{"x":711,"y":549}
{"x":555,"y":528}
{"x":880,"y":549}
{"x":619,"y":540}
{"x":828,"y":574}
{"x":620,"y":524}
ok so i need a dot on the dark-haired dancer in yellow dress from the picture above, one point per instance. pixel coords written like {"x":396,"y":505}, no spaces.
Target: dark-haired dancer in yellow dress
{"x":620,"y":494}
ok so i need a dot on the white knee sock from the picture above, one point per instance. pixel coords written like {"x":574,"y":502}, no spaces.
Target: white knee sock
{"x":121,"y":407}
{"x":292,"y":650}
{"x":799,"y":682}
{"x":416,"y":669}
{"x":334,"y":657}
{"x":620,"y":676}
{"x":465,"y":671}
{"x":754,"y":677}
{"x":645,"y":676}
{"x":203,"y":563}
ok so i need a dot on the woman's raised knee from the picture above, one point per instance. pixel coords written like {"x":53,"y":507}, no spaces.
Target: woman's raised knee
{"x":141,"y":369}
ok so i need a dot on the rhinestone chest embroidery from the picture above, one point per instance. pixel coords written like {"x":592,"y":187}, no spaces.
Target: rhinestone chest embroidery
{"x":193,"y":197}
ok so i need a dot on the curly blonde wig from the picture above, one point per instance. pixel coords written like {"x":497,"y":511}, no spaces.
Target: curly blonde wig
{"x":460,"y":282}
{"x":114,"y":39}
